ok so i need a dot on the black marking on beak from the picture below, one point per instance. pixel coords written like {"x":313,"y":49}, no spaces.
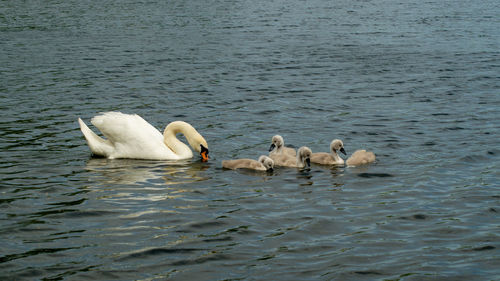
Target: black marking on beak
{"x":203,"y":148}
{"x":271,"y":148}
{"x":308,"y":162}
{"x":343,"y":151}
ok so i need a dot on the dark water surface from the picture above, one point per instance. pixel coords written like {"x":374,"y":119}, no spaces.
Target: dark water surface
{"x":417,"y":82}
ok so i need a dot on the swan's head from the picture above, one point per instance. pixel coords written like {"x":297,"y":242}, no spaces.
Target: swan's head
{"x":196,"y":141}
{"x":200,"y":145}
{"x":304,"y":156}
{"x":267,"y":162}
{"x":337,"y":145}
{"x":276,"y":143}
{"x":203,"y":153}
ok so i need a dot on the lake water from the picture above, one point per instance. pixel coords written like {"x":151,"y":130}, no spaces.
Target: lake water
{"x":417,"y":82}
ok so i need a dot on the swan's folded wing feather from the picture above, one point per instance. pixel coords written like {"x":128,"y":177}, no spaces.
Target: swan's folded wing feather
{"x":132,"y":136}
{"x":126,"y":128}
{"x":290,"y":151}
{"x":322,"y":158}
{"x":283,"y":160}
{"x":244,"y":163}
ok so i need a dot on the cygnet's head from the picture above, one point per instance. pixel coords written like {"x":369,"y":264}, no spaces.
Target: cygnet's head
{"x":304,"y":156}
{"x":276,"y":143}
{"x":337,"y":145}
{"x":267,"y":162}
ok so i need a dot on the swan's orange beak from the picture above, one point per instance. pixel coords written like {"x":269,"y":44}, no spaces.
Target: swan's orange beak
{"x":204,"y":154}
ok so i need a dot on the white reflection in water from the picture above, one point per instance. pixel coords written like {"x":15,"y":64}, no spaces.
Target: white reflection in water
{"x":149,"y":174}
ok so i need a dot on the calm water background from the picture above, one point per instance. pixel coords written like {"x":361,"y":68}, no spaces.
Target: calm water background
{"x":417,"y":82}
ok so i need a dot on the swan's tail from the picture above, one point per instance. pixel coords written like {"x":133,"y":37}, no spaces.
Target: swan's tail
{"x":98,"y":145}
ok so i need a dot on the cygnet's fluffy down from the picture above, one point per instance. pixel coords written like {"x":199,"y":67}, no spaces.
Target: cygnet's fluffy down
{"x":278,"y":147}
{"x":263,"y":164}
{"x":360,"y":157}
{"x":303,"y":158}
{"x":331,"y":158}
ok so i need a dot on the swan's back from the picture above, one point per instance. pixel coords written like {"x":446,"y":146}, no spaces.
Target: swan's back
{"x":119,"y":127}
{"x":360,"y":157}
{"x":243,"y":164}
{"x":284,"y":160}
{"x":289,"y":150}
{"x":323,"y":158}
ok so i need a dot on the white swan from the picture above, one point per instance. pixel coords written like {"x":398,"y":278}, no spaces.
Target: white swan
{"x":331,"y":158}
{"x":263,"y":164}
{"x":278,"y":146}
{"x":360,"y":157}
{"x":130,"y":136}
{"x":300,"y":161}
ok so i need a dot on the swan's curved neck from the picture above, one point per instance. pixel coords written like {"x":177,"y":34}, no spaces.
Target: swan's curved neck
{"x":170,"y":138}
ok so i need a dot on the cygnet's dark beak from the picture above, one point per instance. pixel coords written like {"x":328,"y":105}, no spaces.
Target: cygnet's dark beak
{"x":204,"y":153}
{"x":308,"y":162}
{"x":343,"y":151}
{"x":271,"y":148}
{"x":270,"y":170}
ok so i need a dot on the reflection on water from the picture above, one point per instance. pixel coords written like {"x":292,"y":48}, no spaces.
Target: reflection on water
{"x":144,"y":172}
{"x":131,"y":182}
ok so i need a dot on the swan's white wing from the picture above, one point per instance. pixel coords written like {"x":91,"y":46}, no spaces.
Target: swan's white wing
{"x":132,"y":136}
{"x":119,"y":127}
